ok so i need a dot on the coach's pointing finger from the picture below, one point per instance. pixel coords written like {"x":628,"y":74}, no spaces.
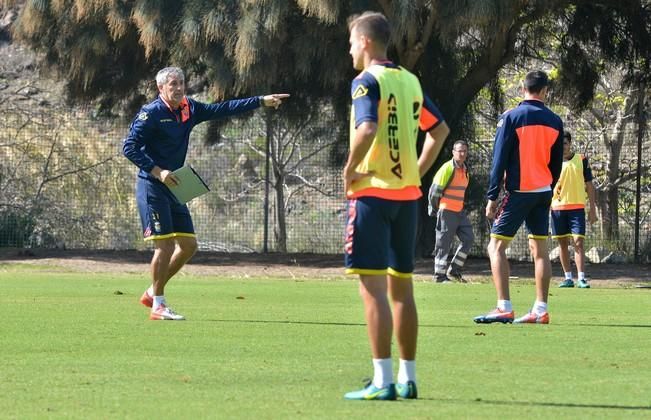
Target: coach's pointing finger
{"x":274,"y":100}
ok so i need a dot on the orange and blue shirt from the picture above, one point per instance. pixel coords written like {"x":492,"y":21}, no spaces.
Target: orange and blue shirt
{"x":392,"y":97}
{"x":159,"y":135}
{"x":528,"y":150}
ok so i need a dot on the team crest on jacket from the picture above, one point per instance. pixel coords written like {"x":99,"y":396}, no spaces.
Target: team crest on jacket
{"x":359,"y":92}
{"x":142,"y":116}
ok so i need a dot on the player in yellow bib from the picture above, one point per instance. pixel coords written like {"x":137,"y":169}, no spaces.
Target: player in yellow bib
{"x":568,"y":211}
{"x":382,"y":183}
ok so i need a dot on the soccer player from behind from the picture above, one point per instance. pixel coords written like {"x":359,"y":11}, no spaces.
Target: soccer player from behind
{"x":568,"y":211}
{"x":157,"y":144}
{"x":381,"y":180}
{"x":527,"y":159}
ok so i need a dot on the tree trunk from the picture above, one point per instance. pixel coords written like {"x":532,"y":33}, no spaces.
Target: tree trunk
{"x":609,"y":204}
{"x":610,"y":215}
{"x":275,"y":151}
{"x":280,"y":230}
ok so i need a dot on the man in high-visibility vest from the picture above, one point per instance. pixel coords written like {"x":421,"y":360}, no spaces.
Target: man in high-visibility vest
{"x":446,"y":203}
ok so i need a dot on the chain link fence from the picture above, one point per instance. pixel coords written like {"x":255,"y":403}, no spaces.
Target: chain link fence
{"x":275,"y":187}
{"x":613,"y":158}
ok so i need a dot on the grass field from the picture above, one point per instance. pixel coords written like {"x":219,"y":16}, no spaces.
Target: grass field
{"x":80,"y":346}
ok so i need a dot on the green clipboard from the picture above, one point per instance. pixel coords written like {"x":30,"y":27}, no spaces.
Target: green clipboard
{"x":190,"y":185}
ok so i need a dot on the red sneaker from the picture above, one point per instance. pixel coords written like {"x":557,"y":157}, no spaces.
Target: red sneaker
{"x":147,"y":299}
{"x":532,"y":318}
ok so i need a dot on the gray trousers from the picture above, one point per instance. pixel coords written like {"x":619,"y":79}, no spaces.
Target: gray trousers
{"x":449,"y":224}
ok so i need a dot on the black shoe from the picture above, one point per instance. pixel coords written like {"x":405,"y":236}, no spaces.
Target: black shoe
{"x":457,"y":276}
{"x":441,"y":278}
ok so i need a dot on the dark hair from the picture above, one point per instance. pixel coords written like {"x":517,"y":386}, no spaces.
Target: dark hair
{"x":461,"y":142}
{"x":567,"y":135}
{"x":535,"y":81}
{"x":371,"y":24}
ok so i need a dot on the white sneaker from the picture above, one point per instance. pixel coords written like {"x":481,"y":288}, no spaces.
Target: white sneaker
{"x":165,"y":313}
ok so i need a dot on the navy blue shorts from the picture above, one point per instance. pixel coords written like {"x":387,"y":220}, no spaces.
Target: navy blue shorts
{"x":381,"y":237}
{"x":568,"y":223}
{"x":517,"y":207}
{"x":161,"y":214}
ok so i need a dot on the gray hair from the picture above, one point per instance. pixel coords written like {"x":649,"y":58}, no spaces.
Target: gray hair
{"x":163,"y":75}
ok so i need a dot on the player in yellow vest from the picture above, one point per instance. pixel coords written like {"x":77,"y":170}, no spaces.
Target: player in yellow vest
{"x":382,"y":183}
{"x":568,"y":211}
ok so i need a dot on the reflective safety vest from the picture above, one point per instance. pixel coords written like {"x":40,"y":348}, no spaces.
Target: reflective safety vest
{"x":454,"y":193}
{"x":443,"y":178}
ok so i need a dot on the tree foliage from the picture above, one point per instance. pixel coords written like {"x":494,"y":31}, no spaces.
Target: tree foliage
{"x":106,"y":49}
{"x":599,"y":35}
{"x":109,"y":50}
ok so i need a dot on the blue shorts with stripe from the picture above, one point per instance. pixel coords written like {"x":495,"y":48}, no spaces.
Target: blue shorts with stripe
{"x":380,"y":236}
{"x":517,"y":207}
{"x":161,"y":214}
{"x":568,"y":223}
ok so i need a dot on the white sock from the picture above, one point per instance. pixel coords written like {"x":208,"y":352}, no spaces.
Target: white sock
{"x":150,"y":290}
{"x":406,"y":371}
{"x":581,"y":275}
{"x":504,"y":305}
{"x":539,"y":307}
{"x":568,"y":275}
{"x":382,"y":372}
{"x":158,"y":301}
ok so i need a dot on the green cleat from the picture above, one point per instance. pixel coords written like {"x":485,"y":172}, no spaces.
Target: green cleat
{"x":407,"y":391}
{"x":371,"y":392}
{"x":583,"y":284}
{"x":566,"y":283}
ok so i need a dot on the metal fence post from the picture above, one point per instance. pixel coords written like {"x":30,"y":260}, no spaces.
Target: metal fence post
{"x":641,"y":128}
{"x":268,"y":133}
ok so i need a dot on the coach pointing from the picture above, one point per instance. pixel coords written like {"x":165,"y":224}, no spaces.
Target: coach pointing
{"x":157,"y":144}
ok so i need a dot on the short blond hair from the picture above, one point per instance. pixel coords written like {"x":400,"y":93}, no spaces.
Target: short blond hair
{"x":371,"y":24}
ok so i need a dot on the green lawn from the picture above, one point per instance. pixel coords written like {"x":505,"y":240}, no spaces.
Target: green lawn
{"x":80,"y":346}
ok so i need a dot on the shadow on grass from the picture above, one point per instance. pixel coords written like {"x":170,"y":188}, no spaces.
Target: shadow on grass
{"x":349,"y":324}
{"x":614,"y":325}
{"x":289,"y":322}
{"x":358,"y":324}
{"x":543,"y":404}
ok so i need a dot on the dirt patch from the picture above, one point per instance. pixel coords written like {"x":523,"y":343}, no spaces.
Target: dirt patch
{"x":292,"y":266}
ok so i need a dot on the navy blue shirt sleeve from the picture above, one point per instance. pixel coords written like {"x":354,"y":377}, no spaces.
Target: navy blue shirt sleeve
{"x":133,"y":145}
{"x":365,"y":92}
{"x":204,"y":112}
{"x":504,"y":142}
{"x":556,"y":158}
{"x":587,"y":171}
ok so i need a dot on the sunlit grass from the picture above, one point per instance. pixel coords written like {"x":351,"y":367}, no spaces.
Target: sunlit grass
{"x":80,"y":346}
